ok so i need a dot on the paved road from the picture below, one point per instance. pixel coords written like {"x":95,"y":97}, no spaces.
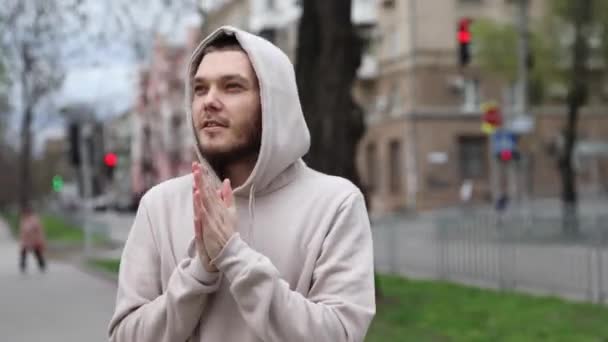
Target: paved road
{"x":61,"y":305}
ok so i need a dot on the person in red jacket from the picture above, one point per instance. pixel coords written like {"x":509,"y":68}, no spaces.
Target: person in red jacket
{"x":32,"y":238}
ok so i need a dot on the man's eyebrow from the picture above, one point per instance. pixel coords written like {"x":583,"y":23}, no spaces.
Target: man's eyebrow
{"x":223,"y":78}
{"x":234,"y":77}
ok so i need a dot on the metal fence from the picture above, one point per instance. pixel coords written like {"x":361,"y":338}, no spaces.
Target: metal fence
{"x":529,"y":253}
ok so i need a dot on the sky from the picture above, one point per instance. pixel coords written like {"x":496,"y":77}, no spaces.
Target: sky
{"x":104,"y":75}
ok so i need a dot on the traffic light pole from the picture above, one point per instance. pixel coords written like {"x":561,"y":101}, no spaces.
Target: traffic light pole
{"x":87,"y":188}
{"x":523,"y":57}
{"x":411,"y":172}
{"x":520,"y":177}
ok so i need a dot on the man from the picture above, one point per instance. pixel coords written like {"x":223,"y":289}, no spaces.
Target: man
{"x":278,"y":252}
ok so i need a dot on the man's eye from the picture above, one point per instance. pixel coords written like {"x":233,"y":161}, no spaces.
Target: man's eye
{"x":200,"y":90}
{"x":233,"y":86}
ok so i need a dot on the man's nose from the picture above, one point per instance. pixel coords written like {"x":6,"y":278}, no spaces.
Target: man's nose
{"x":211,"y":100}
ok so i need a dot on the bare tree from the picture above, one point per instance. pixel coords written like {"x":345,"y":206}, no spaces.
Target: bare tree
{"x":139,"y":21}
{"x":7,"y":155}
{"x":32,"y":35}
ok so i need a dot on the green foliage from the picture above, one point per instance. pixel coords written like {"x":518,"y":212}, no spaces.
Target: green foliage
{"x":495,"y":48}
{"x":496,"y":45}
{"x":436,"y":311}
{"x":55,"y":228}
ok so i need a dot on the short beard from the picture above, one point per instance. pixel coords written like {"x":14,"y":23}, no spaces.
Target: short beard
{"x":219,"y":160}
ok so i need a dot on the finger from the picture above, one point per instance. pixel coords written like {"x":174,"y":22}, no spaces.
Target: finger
{"x":210,"y":218}
{"x":227,"y":194}
{"x":195,"y":169}
{"x":196,"y":172}
{"x":198,"y":232}
{"x":197,"y":215}
{"x":207,"y":202}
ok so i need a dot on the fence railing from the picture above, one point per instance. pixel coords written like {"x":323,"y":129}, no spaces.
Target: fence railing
{"x":513,"y":252}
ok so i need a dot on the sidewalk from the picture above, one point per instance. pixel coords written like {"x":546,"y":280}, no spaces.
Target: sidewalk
{"x":63,"y":304}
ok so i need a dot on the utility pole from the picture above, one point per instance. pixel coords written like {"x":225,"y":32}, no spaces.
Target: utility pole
{"x":523,"y":57}
{"x":410,"y":131}
{"x":520,"y":172}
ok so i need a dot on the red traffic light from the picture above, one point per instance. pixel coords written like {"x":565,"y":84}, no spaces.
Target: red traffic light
{"x":492,"y":116}
{"x":506,"y":155}
{"x":110,"y":159}
{"x":464,"y":35}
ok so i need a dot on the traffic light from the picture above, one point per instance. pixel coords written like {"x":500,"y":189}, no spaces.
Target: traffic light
{"x":506,"y":155}
{"x":57,"y":183}
{"x":74,"y":136}
{"x":110,"y":160}
{"x":464,"y":41}
{"x":491,"y":117}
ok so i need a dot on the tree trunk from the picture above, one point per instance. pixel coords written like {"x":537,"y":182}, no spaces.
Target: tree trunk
{"x":25,"y":159}
{"x":25,"y":156}
{"x":328,"y":56}
{"x":327,"y":59}
{"x":577,"y":94}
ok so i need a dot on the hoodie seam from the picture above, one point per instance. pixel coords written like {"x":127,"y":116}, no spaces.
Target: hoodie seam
{"x":341,"y":208}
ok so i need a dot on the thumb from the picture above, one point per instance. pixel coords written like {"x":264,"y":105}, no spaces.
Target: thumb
{"x":227,"y":193}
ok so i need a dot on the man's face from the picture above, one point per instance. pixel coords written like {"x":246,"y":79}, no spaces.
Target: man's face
{"x":226,"y":107}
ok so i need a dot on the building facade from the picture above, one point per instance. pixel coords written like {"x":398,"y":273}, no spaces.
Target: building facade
{"x":423,"y":141}
{"x":162,"y":144}
{"x":424,"y":138}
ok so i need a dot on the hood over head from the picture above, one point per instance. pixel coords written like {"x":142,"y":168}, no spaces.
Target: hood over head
{"x":285,"y":136}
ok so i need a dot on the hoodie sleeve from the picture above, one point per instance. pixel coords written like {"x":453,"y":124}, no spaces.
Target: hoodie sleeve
{"x":144,"y":312}
{"x":341,"y":302}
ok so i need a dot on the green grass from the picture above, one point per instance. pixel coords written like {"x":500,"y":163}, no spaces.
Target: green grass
{"x":55,"y":228}
{"x":108,"y":265}
{"x":435,"y":311}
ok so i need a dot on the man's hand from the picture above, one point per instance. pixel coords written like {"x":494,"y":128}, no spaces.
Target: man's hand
{"x":217,"y":211}
{"x":198,"y":224}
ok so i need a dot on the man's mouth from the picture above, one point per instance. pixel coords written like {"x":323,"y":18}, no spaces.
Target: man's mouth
{"x":213,"y":124}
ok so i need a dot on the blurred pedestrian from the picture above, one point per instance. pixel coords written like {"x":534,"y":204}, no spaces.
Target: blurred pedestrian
{"x":274,"y":252}
{"x":32,"y":239}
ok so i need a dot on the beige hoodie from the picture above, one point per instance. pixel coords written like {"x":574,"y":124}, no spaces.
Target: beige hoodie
{"x":301,"y":266}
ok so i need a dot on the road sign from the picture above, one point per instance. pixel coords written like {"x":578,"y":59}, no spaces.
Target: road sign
{"x":503,"y":140}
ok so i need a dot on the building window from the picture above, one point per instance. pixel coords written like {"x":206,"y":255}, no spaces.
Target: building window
{"x":372,"y":165}
{"x":395,"y":166}
{"x":395,"y":43}
{"x":473,"y":156}
{"x":395,"y":102}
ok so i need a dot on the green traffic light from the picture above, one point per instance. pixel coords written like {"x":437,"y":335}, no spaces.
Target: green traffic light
{"x":57,"y":183}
